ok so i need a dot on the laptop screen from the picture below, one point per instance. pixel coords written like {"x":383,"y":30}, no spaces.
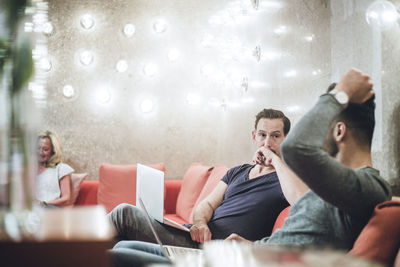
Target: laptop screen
{"x":150,"y":188}
{"x":142,"y":206}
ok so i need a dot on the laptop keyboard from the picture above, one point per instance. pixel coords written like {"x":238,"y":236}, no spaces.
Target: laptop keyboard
{"x":182,"y":251}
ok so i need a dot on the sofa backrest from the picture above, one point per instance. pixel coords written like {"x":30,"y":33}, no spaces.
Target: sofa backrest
{"x":215,"y":177}
{"x":280,"y":220}
{"x":192,"y":183}
{"x":117,"y":184}
{"x":379,"y":240}
{"x":87,"y":193}
{"x":172,"y":188}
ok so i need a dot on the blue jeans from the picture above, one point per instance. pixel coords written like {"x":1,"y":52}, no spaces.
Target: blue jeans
{"x":137,"y":254}
{"x":131,"y":224}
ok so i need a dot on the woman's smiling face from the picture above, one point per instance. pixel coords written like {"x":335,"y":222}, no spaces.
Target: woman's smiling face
{"x":45,"y":150}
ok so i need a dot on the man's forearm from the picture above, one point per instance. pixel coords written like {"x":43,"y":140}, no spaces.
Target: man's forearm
{"x":293,"y":188}
{"x":302,"y":148}
{"x":203,"y":213}
{"x":313,"y":127}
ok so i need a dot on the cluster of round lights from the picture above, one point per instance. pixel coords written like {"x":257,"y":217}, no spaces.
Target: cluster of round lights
{"x":87,"y":57}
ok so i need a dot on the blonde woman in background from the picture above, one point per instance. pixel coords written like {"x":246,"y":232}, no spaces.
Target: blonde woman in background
{"x":53,"y":184}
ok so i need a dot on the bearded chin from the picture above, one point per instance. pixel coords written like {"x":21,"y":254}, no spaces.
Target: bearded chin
{"x":330,"y":146}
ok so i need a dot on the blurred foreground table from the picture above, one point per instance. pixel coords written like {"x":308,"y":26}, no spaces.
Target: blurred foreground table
{"x":78,"y":237}
{"x":233,"y":254}
{"x":55,"y":253}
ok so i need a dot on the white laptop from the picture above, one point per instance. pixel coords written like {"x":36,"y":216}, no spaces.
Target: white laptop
{"x":150,"y":188}
{"x":171,"y":252}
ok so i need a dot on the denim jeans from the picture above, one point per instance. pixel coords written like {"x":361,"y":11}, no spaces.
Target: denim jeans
{"x":131,"y":224}
{"x":137,"y":254}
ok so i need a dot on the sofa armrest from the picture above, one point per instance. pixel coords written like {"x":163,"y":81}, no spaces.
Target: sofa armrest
{"x":280,"y":220}
{"x":171,"y":191}
{"x":87,"y":193}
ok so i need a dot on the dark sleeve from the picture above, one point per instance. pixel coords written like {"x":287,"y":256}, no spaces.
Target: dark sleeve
{"x":356,"y":191}
{"x":230,"y":174}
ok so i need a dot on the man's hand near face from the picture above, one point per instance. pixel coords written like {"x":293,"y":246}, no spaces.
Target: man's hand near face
{"x":293,"y":188}
{"x":265,"y":157}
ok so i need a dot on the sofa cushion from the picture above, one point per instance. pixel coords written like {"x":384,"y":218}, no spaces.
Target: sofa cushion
{"x":280,"y":220}
{"x":379,"y":240}
{"x":117,"y":184}
{"x":172,"y":188}
{"x":175,"y":218}
{"x":215,"y":176}
{"x":192,"y":183}
{"x":87,"y":193}
{"x":76,"y":181}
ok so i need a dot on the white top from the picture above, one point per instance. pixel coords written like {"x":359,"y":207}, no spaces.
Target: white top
{"x":48,"y":182}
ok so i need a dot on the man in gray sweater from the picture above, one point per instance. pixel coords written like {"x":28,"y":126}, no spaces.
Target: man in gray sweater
{"x":330,"y":151}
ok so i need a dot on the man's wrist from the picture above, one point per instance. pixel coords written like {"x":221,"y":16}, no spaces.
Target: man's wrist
{"x":276,"y":160}
{"x":199,"y":224}
{"x":341,"y":97}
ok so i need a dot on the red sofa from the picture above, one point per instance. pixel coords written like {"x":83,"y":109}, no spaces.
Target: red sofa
{"x":379,"y":241}
{"x":88,"y":196}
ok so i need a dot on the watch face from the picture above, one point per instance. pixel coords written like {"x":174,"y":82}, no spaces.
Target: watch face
{"x":342,"y":97}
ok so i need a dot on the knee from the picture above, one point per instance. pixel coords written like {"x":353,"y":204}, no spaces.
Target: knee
{"x":124,"y":212}
{"x":125,"y":244}
{"x":123,"y":209}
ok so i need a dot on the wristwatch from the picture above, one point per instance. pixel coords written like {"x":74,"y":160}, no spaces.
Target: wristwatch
{"x":340,"y":97}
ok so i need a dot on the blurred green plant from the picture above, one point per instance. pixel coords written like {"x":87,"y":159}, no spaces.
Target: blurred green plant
{"x":15,"y":47}
{"x":16,"y":69}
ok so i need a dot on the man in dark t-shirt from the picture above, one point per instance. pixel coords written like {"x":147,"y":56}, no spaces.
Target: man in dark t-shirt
{"x":246,"y":201}
{"x":259,"y":200}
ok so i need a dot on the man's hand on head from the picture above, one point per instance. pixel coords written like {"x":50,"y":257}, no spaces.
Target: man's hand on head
{"x":356,"y":85}
{"x":238,"y":238}
{"x":200,"y":233}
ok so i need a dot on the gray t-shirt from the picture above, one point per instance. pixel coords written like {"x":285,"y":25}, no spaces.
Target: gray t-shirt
{"x":340,"y":200}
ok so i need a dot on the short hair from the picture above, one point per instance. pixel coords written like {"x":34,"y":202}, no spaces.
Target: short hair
{"x":56,"y":147}
{"x":274,"y":114}
{"x":359,"y":118}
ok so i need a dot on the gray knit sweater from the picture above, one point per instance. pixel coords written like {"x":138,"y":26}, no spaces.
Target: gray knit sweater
{"x":340,"y":200}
